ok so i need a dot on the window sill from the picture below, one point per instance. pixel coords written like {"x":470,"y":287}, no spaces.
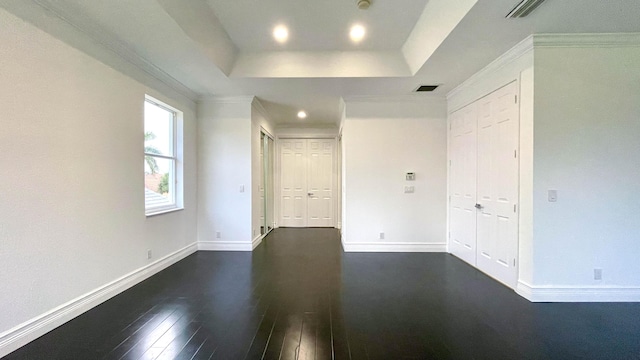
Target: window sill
{"x":162,"y":211}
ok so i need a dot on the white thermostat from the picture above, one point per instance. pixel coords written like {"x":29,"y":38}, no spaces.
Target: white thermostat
{"x":410,"y":176}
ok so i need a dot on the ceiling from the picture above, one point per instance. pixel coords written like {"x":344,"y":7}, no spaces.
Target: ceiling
{"x":317,"y":25}
{"x":225,"y":48}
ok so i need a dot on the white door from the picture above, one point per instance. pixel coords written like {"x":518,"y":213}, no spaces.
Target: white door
{"x":484,"y":184}
{"x":307,"y":182}
{"x":463,"y":184}
{"x":293,"y":179}
{"x":320,"y":183}
{"x":497,"y":224}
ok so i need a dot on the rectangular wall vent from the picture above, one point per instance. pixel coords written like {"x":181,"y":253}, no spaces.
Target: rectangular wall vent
{"x":423,"y":88}
{"x":524,"y":8}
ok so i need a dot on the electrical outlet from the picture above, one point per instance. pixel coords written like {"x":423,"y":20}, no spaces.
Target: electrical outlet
{"x":597,"y":274}
{"x":149,"y":254}
{"x":409,"y":189}
{"x":381,"y":236}
{"x":218,"y":235}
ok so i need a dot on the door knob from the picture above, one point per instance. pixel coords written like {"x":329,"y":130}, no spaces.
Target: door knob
{"x":310,"y":194}
{"x":478,"y":206}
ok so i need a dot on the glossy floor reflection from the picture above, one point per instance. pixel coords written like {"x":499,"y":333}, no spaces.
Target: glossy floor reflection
{"x":299,"y":297}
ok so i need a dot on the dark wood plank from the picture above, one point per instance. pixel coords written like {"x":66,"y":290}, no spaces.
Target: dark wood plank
{"x":264,"y":334}
{"x":308,"y":336}
{"x":291,"y":342}
{"x":176,"y":346}
{"x":276,"y":338}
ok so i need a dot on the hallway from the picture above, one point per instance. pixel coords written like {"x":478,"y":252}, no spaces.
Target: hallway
{"x":299,"y":296}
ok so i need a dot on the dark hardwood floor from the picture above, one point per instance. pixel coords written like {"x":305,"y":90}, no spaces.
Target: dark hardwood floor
{"x":298,"y":296}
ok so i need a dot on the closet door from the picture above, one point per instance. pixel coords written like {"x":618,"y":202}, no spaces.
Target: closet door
{"x":497,"y":223}
{"x":483,"y":225}
{"x":462,"y":219}
{"x":320,"y":183}
{"x":293,"y":180}
{"x":307,"y":180}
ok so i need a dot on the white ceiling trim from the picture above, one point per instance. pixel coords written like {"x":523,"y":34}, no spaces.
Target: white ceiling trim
{"x":257,"y":105}
{"x":516,"y":52}
{"x":586,"y":40}
{"x":120,"y":49}
{"x":607,"y":40}
{"x":227,"y":99}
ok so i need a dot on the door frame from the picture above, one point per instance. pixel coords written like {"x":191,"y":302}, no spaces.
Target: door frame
{"x":263,"y":179}
{"x":278,"y":171}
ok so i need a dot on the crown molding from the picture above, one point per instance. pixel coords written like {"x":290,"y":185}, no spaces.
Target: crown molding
{"x":241,"y":99}
{"x":537,"y":41}
{"x":586,"y":40}
{"x":522,"y":48}
{"x":257,"y":105}
{"x":120,"y":49}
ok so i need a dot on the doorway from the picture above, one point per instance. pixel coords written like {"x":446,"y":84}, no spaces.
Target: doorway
{"x":267,"y":150}
{"x":307,"y":182}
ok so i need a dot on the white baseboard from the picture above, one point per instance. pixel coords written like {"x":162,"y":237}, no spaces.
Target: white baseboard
{"x":578,"y":294}
{"x":225,"y":245}
{"x":30,"y":330}
{"x":393,"y":247}
{"x":257,"y":241}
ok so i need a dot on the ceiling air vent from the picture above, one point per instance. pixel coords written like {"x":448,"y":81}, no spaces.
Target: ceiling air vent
{"x":426,"y":88}
{"x":524,"y":8}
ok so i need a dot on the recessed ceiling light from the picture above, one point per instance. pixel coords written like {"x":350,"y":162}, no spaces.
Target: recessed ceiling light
{"x":281,"y":33}
{"x":302,"y":115}
{"x":357,"y":33}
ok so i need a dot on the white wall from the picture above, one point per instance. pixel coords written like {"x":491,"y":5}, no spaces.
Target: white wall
{"x":224,"y":165}
{"x":525,"y":223}
{"x":72,"y":205}
{"x":587,"y":123}
{"x":381,"y":142}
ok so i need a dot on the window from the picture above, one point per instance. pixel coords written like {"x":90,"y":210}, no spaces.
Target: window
{"x":162,"y":165}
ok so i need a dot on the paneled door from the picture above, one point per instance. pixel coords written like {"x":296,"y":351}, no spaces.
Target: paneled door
{"x":293,"y":180}
{"x":497,"y":192}
{"x":483,"y":220}
{"x":307,"y":182}
{"x":463,"y":184}
{"x":320,"y":178}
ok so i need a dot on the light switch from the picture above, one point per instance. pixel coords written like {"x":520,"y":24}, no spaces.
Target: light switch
{"x":553,"y":195}
{"x":241,"y":188}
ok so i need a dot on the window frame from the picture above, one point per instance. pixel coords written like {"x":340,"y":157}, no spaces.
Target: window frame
{"x":175,"y":176}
